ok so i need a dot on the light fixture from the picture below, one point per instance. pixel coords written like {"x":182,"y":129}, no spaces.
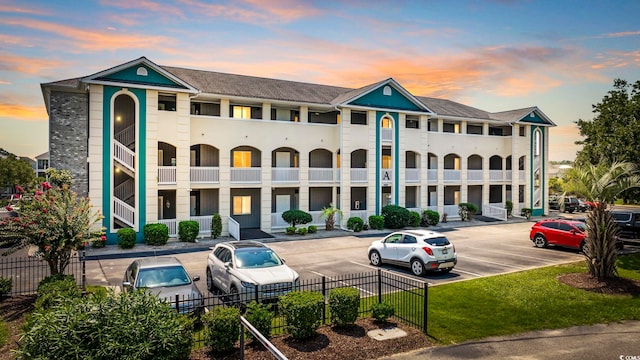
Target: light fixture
{"x":167,"y":204}
{"x":118,"y":118}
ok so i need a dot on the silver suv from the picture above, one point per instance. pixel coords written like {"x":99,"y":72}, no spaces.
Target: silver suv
{"x":419,"y":250}
{"x":248,"y":270}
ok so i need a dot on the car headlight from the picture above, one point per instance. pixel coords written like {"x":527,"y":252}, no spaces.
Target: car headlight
{"x":248,"y":285}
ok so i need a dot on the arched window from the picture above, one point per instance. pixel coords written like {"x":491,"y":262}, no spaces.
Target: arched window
{"x":537,"y":142}
{"x":387,"y":123}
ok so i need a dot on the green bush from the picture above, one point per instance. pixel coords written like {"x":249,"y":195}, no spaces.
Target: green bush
{"x":395,"y":217}
{"x":302,"y":231}
{"x":188,"y":230}
{"x":216,"y":226}
{"x":56,"y":289}
{"x":415,"y":219}
{"x":156,"y":234}
{"x":509,"y":206}
{"x":126,"y":238}
{"x":382,"y":311}
{"x":312,"y":229}
{"x":295,"y":217}
{"x":5,"y":287}
{"x":526,"y":212}
{"x":291,"y":230}
{"x":430,"y":218}
{"x":302,"y":312}
{"x":343,"y":305}
{"x":260,"y":317}
{"x":128,"y":325}
{"x":355,"y":223}
{"x":223,"y":328}
{"x":376,"y":222}
{"x":466,"y":211}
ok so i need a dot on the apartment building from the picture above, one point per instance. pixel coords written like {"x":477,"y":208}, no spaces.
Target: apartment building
{"x":162,"y":144}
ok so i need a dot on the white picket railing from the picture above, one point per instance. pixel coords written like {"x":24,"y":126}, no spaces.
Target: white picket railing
{"x":246,"y":175}
{"x":412,"y":175}
{"x":320,"y":175}
{"x":123,"y":212}
{"x":496,"y":212}
{"x":166,"y":174}
{"x":451,"y":175}
{"x":285,"y":174}
{"x":126,"y":136}
{"x":432,"y":175}
{"x":386,"y":134}
{"x":451,"y":211}
{"x":205,"y":174}
{"x":204,"y":221}
{"x":496,"y":175}
{"x":474,"y":175}
{"x":234,"y":228}
{"x":125,"y":190}
{"x":358,"y":175}
{"x":124,"y":156}
{"x":172,"y":224}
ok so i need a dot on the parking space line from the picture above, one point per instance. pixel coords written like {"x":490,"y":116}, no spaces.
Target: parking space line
{"x":466,"y":272}
{"x":492,"y":262}
{"x":343,"y":282}
{"x":508,"y":253}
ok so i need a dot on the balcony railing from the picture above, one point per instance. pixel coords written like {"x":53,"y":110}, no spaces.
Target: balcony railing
{"x":474,"y":175}
{"x":386,"y":134}
{"x":172,"y":224}
{"x":451,"y":175}
{"x":205,"y":174}
{"x":508,"y":175}
{"x":412,"y":175}
{"x":432,"y":175}
{"x":246,"y":175}
{"x":204,"y":222}
{"x":321,"y":174}
{"x":496,"y":175}
{"x":123,"y":212}
{"x":358,"y":175}
{"x":451,"y":211}
{"x":521,"y":175}
{"x":123,"y":155}
{"x":285,"y":175}
{"x":166,"y":175}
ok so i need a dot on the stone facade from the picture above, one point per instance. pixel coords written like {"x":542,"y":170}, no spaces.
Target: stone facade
{"x":68,"y":132}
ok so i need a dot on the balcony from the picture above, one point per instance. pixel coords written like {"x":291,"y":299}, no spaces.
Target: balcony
{"x":496,"y":175}
{"x":321,"y":175}
{"x":166,"y":175}
{"x":285,"y":175}
{"x":412,"y":175}
{"x":432,"y":175}
{"x":474,"y":176}
{"x":204,"y":174}
{"x":386,"y":134}
{"x":359,"y":175}
{"x":451,"y":175}
{"x":246,"y":175}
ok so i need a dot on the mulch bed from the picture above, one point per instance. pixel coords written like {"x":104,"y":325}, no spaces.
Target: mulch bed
{"x":615,"y":286}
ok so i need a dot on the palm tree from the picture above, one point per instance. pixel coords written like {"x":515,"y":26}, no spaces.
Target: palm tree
{"x":329,"y":213}
{"x":602,"y":184}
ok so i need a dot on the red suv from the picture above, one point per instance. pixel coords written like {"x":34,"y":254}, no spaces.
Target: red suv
{"x":567,"y":233}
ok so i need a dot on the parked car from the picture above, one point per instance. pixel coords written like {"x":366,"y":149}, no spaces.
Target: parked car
{"x":165,"y":277}
{"x":583,"y":206}
{"x":570,"y":204}
{"x":246,"y":270}
{"x":559,"y":232}
{"x":419,"y":250}
{"x":629,"y":222}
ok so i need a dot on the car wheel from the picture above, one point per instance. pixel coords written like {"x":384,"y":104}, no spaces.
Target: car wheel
{"x":210,"y":286}
{"x":417,"y":267}
{"x":582,"y":247}
{"x":540,"y":241}
{"x":374,"y":258}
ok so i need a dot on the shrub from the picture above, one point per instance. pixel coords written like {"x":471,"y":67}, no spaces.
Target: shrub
{"x":509,"y":206}
{"x":415,"y":219}
{"x":260,"y":317}
{"x":376,"y":222}
{"x":343,"y":305}
{"x":129,"y":325}
{"x":188,"y":230}
{"x":302,"y":311}
{"x":526,"y":212}
{"x":355,"y":223}
{"x":312,"y":229}
{"x":222,"y":326}
{"x":156,"y":234}
{"x":382,"y":311}
{"x":395,"y":217}
{"x":216,"y":226}
{"x":430,"y":218}
{"x":126,"y":238}
{"x":466,"y":211}
{"x":295,"y":217}
{"x":5,"y":286}
{"x":55,"y":289}
{"x":302,"y":231}
{"x":291,"y":230}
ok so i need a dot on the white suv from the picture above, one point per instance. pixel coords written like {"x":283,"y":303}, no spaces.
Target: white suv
{"x":248,"y":270}
{"x":419,"y":250}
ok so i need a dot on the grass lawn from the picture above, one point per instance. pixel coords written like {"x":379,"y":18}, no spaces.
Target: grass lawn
{"x":525,"y":301}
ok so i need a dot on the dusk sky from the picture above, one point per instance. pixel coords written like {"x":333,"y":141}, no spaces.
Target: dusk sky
{"x":561,"y":56}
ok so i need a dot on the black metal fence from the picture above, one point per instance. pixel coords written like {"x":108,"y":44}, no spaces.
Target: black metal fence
{"x":408,"y":296}
{"x":27,"y":272}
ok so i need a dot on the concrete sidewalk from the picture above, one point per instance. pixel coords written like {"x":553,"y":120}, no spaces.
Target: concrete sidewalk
{"x":600,"y":341}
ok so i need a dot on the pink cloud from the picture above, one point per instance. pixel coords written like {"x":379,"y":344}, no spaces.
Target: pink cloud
{"x":22,"y":10}
{"x":255,"y":11}
{"x":23,"y":112}
{"x":21,"y":64}
{"x":148,"y":6}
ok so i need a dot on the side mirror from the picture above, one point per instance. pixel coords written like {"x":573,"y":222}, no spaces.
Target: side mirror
{"x":228,"y":265}
{"x":126,"y":285}
{"x":196,"y":278}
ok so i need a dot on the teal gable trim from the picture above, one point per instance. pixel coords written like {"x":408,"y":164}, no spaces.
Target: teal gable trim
{"x":539,"y":211}
{"x":536,"y":119}
{"x":153,"y":78}
{"x":141,"y":96}
{"x":377,"y":99}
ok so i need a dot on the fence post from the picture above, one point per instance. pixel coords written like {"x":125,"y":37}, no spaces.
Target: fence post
{"x":84,"y":273}
{"x":379,"y":286}
{"x":241,"y":339}
{"x":425,"y":307}
{"x":177,"y":303}
{"x":324,"y":300}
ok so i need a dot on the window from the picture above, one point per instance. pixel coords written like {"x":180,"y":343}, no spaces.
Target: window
{"x":387,"y":160}
{"x":474,"y":129}
{"x":242,"y":112}
{"x":202,"y":108}
{"x":412,"y":122}
{"x":451,"y":128}
{"x":242,"y":205}
{"x":537,"y":142}
{"x":432,"y":125}
{"x":167,"y":102}
{"x":521,"y":130}
{"x":358,"y":118}
{"x":285,"y":115}
{"x":387,"y":123}
{"x":495,"y":131}
{"x":242,"y":159}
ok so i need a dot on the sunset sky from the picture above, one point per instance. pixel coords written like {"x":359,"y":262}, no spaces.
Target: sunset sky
{"x":561,"y":56}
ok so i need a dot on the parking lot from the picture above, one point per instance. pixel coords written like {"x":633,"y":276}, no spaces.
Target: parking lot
{"x":482,"y":251}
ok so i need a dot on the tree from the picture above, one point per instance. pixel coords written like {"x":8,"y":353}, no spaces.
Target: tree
{"x":602,"y":183}
{"x":56,"y":221}
{"x":14,"y":171}
{"x":614,"y":133}
{"x":329,"y":215}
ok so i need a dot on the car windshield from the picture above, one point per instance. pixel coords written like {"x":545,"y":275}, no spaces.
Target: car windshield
{"x":162,"y":277}
{"x":439,"y":241}
{"x":256,"y":258}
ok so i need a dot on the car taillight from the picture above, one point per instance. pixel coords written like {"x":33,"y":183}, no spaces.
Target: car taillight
{"x":428,"y":250}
